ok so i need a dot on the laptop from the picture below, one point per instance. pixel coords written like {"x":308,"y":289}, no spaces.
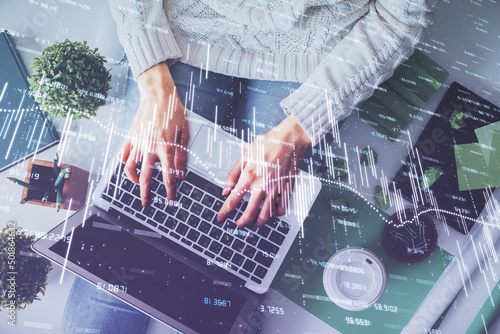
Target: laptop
{"x":173,"y":260}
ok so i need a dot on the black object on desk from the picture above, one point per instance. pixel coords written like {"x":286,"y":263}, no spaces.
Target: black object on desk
{"x":24,"y":129}
{"x":435,"y":147}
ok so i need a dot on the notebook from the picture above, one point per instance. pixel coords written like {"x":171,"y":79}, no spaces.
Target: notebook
{"x":24,"y":129}
{"x":210,"y":273}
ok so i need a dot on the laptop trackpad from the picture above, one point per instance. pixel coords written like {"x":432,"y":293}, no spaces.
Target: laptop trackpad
{"x":215,"y":152}
{"x":157,"y":281}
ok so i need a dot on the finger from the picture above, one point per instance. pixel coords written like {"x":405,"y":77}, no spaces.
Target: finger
{"x":285,"y":194}
{"x":231,"y":202}
{"x":145,"y":177}
{"x":166,"y":153}
{"x":125,"y":150}
{"x":233,"y":176}
{"x":181,"y":156}
{"x":268,"y":206}
{"x":252,"y":210}
{"x":131,"y":165}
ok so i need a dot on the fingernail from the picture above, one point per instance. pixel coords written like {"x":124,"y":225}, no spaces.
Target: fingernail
{"x":225,"y":191}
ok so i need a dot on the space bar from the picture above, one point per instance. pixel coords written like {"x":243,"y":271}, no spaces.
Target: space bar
{"x":205,"y":185}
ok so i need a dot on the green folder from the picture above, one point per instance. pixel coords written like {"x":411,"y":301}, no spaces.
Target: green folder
{"x":410,"y":88}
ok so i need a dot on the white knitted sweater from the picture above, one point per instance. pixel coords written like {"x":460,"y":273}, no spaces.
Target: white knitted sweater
{"x":340,"y":50}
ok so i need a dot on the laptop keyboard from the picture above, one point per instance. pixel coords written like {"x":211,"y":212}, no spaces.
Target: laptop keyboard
{"x":191,"y":221}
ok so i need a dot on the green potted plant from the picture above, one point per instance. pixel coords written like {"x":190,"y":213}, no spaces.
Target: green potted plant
{"x":22,"y":277}
{"x":70,"y":79}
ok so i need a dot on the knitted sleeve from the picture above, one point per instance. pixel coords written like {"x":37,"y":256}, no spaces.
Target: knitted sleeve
{"x":144,"y":32}
{"x":366,"y":57}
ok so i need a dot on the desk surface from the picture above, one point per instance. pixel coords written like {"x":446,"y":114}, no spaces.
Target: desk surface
{"x":463,"y":40}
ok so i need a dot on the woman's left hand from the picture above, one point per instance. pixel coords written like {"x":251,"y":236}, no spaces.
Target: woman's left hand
{"x":267,"y":171}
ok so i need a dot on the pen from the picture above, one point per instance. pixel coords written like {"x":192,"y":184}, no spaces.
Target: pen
{"x":25,"y":185}
{"x":56,"y":162}
{"x":63,"y":174}
{"x":45,"y":197}
{"x":58,"y":199}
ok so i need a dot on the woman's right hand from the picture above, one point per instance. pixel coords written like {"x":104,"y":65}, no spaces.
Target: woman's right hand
{"x":159,"y":133}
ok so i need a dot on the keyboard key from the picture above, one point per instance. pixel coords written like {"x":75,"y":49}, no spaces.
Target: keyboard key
{"x":171,"y":223}
{"x":244,"y":273}
{"x":185,"y":188}
{"x":137,"y":205}
{"x":171,"y":209}
{"x":207,"y":214}
{"x":226,"y":253}
{"x":160,"y":217}
{"x":238,"y":215}
{"x":243,"y":206}
{"x":256,"y":280}
{"x":277,"y":238}
{"x":127,"y":199}
{"x":264,"y":231}
{"x":141,"y":217}
{"x":216,"y":222}
{"x":149,"y":211}
{"x":252,"y":238}
{"x":204,"y":227}
{"x":237,"y":260}
{"x":158,"y":202}
{"x":229,"y":226}
{"x":152,"y":223}
{"x":232,"y":214}
{"x":227,"y":239}
{"x":185,"y":202}
{"x":215,"y":247}
{"x":273,"y":222}
{"x":215,"y":233}
{"x":260,"y":272}
{"x":127,"y":184}
{"x":263,"y":259}
{"x":193,"y":221}
{"x":182,"y":229}
{"x":217,"y":205}
{"x":267,"y":247}
{"x":129,"y":210}
{"x":249,"y":265}
{"x":162,"y":191}
{"x":182,"y":215}
{"x":196,"y":208}
{"x":209,"y":254}
{"x":154,"y":184}
{"x":238,"y":245}
{"x":163,"y":229}
{"x":208,"y":200}
{"x":136,"y":190}
{"x":106,"y":197}
{"x":204,"y":241}
{"x":198,"y":248}
{"x":156,"y":173}
{"x":201,"y":183}
{"x":118,"y":204}
{"x":284,"y":227}
{"x":175,"y":235}
{"x":186,"y":241}
{"x":193,"y":235}
{"x":249,"y":251}
{"x":196,"y":194}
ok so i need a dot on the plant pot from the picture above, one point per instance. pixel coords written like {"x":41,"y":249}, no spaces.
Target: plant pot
{"x":41,"y":173}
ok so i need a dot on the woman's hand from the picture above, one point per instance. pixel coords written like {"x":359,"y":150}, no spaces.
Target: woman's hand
{"x":267,"y":171}
{"x":159,"y":133}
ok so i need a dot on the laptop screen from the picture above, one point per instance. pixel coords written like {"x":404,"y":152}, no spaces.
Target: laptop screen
{"x":125,"y":263}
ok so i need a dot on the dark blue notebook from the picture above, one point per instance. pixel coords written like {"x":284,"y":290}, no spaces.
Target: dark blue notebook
{"x":24,"y":129}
